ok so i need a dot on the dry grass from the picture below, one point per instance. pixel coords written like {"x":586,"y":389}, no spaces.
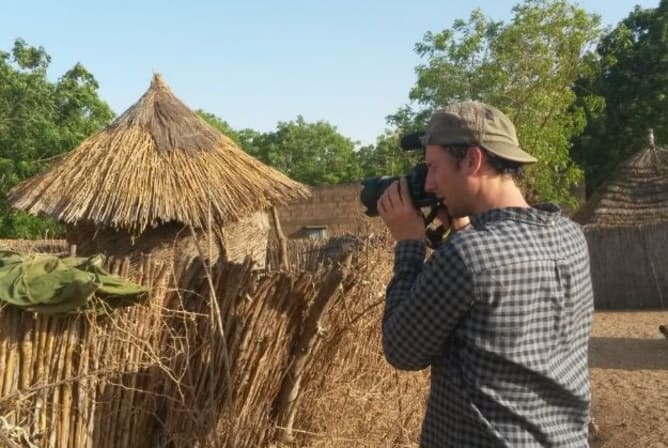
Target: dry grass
{"x":157,"y":163}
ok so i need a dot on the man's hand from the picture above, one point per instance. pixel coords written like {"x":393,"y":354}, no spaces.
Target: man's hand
{"x":396,"y":209}
{"x":448,"y":222}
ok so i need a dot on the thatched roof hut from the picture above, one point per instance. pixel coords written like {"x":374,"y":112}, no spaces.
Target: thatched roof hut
{"x":626,"y":224}
{"x":636,"y":195}
{"x":157,"y":164}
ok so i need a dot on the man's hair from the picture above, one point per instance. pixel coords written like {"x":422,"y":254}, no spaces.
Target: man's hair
{"x":499,"y":165}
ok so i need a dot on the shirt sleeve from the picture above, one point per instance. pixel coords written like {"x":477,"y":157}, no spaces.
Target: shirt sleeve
{"x":423,"y":303}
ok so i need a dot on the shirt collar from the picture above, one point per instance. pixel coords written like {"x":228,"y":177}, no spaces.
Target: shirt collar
{"x":540,"y":214}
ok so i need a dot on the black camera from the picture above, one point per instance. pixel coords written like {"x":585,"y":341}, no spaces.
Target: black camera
{"x":373,"y":188}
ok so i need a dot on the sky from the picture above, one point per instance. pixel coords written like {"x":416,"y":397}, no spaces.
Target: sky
{"x":254,"y":63}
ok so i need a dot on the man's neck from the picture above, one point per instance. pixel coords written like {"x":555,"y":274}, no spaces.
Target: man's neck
{"x":499,"y":192}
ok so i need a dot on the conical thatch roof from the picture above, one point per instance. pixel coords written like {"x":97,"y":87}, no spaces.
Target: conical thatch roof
{"x":158,"y":162}
{"x":636,"y":195}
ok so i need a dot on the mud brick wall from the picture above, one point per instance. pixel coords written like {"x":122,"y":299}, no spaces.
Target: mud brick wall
{"x":337,"y":207}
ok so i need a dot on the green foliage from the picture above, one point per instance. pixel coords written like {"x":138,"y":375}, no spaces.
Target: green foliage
{"x":525,"y":68}
{"x":312,"y":153}
{"x":39,"y":120}
{"x":630,"y":79}
{"x":218,"y":123}
{"x":386,"y":158}
{"x":244,"y":138}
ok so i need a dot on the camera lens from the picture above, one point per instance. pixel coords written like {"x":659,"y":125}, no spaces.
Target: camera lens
{"x":372,"y":190}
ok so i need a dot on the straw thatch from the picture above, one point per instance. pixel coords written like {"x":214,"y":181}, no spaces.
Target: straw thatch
{"x":636,"y":195}
{"x":156,"y":163}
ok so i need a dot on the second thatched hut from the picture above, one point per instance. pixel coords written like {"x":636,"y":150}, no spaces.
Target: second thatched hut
{"x":156,"y":177}
{"x":626,"y":224}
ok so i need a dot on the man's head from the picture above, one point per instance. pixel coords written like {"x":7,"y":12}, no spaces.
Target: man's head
{"x":466,"y":144}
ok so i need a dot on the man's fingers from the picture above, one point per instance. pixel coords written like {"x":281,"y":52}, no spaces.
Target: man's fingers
{"x":391,"y":194}
{"x":384,"y":202}
{"x":403,"y":189}
{"x":396,"y":196}
{"x":406,"y":199}
{"x":390,"y":197}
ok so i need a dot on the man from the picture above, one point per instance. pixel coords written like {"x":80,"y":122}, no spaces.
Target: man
{"x":502,"y":309}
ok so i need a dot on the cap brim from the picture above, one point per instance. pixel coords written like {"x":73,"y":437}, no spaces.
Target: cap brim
{"x":412,"y":141}
{"x":509,"y":152}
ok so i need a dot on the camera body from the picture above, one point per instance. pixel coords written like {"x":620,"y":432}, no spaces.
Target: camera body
{"x":374,"y":187}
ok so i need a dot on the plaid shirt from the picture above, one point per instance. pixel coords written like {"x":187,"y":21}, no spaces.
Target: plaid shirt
{"x":502,"y":313}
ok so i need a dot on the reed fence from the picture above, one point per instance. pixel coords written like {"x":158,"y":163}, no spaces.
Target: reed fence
{"x":220,"y":355}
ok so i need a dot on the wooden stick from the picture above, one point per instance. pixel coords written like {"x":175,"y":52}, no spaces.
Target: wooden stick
{"x":10,"y":372}
{"x":56,"y":429}
{"x":214,"y":303}
{"x":71,"y":339}
{"x":26,"y":351}
{"x":84,"y":392}
{"x":45,"y":422}
{"x":4,"y":337}
{"x":282,"y":241}
{"x":39,"y":338}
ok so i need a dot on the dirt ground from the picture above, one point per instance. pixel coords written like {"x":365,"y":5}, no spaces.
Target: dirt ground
{"x":629,"y":375}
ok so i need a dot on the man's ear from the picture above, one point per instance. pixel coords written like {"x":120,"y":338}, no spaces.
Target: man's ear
{"x":474,"y":160}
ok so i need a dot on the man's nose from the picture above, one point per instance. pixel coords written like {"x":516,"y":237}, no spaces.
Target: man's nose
{"x":428,"y":185}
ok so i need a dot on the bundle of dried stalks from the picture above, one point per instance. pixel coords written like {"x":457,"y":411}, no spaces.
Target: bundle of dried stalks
{"x":156,"y":163}
{"x":353,"y":397}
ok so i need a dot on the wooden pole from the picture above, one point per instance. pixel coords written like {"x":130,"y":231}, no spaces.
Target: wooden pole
{"x":282,"y":241}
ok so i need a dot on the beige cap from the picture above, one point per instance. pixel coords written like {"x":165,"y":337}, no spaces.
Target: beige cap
{"x":469,"y":123}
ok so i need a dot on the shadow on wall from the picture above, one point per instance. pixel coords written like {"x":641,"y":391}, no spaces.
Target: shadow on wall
{"x":628,"y":353}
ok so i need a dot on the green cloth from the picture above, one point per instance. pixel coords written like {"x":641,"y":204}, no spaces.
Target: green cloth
{"x":47,"y":284}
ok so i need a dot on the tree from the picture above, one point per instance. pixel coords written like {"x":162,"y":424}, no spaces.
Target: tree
{"x":312,"y":153}
{"x":218,"y":123}
{"x":40,"y":120}
{"x":525,"y":68}
{"x":630,"y":77}
{"x":244,"y":138}
{"x":386,"y":158}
